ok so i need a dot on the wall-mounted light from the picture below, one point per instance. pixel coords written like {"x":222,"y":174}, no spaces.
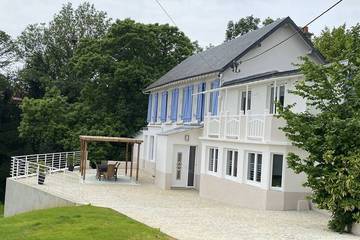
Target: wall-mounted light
{"x":187,"y":138}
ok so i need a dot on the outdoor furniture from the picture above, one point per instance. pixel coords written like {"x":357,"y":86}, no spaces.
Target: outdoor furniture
{"x":111,"y":172}
{"x":100,"y":171}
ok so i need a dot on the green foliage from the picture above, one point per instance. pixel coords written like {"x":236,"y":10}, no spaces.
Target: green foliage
{"x":335,"y":44}
{"x":7,"y":50}
{"x":328,"y":130}
{"x":44,"y":121}
{"x":244,"y":25}
{"x":106,"y":76}
{"x":47,"y":49}
{"x":75,"y":223}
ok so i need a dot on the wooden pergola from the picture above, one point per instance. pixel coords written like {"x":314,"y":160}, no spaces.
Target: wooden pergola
{"x":84,"y":140}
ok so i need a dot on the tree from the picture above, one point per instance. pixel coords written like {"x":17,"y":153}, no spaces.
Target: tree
{"x":328,"y":130}
{"x":244,"y":25}
{"x":334,"y":44}
{"x":47,"y":49}
{"x":7,"y":50}
{"x":110,"y":73}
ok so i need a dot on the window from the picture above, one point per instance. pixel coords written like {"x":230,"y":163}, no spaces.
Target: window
{"x":243,"y":101}
{"x":254,"y":167}
{"x":231,"y":163}
{"x":151,"y":148}
{"x":178,"y":165}
{"x":277,"y":168}
{"x":276,"y":95}
{"x":213,"y":159}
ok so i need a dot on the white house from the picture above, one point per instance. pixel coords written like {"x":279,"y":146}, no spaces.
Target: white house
{"x":212,"y":125}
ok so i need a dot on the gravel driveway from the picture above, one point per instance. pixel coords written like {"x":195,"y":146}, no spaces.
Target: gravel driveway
{"x":184,"y":215}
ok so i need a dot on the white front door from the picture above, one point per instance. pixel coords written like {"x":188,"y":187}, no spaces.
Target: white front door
{"x":180,"y":166}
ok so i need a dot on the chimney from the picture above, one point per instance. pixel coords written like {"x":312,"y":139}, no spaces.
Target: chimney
{"x":306,"y":32}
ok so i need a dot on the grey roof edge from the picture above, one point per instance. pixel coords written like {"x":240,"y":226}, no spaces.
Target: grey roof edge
{"x":180,"y":79}
{"x":281,"y":23}
{"x":262,"y":76}
{"x":284,"y":21}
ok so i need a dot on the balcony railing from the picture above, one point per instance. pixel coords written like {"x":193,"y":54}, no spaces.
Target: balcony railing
{"x":254,"y":127}
{"x":28,"y":165}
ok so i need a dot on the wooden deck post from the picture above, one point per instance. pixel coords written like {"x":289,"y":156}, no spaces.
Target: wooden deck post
{"x":126,"y":158}
{"x":137,"y":162}
{"x":85,"y":159}
{"x":131,"y":157}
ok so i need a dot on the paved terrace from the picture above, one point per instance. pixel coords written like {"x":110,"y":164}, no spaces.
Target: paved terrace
{"x":184,"y":215}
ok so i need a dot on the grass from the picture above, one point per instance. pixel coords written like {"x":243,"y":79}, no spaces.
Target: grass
{"x":1,"y":210}
{"x":80,"y":223}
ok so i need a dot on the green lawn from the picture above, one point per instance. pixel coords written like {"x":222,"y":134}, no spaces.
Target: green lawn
{"x":80,"y":223}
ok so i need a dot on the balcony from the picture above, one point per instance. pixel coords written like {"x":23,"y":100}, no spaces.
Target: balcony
{"x":251,"y":127}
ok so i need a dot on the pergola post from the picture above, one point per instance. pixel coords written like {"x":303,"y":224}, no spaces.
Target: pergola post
{"x":85,"y":159}
{"x":126,"y":158}
{"x":132,"y":158}
{"x":137,"y":162}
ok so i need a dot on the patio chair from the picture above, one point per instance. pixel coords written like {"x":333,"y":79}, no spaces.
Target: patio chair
{"x":111,"y":172}
{"x":99,"y":172}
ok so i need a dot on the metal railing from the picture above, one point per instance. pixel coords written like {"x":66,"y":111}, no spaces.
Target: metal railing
{"x":30,"y":165}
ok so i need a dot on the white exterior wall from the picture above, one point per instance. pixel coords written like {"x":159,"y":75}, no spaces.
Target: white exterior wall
{"x":216,"y":185}
{"x":281,"y":58}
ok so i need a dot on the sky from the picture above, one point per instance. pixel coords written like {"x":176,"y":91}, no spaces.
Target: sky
{"x":201,"y":20}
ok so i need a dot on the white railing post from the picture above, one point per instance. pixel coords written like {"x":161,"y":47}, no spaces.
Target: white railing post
{"x":52,"y":160}
{"x":17,"y":169}
{"x":12,"y":166}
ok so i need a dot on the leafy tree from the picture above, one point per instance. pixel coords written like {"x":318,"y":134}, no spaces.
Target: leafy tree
{"x":267,"y":21}
{"x":328,"y":130}
{"x":7,"y":50}
{"x":110,"y":73}
{"x":334,"y":44}
{"x":244,"y":25}
{"x":47,"y":48}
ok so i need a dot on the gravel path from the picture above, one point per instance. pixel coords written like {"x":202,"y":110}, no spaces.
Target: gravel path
{"x":184,"y":215}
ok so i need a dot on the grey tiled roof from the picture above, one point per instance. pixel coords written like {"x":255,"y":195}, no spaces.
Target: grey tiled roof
{"x":216,"y":58}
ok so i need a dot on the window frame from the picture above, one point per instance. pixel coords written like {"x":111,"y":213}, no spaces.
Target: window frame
{"x":214,"y":170}
{"x":274,"y":96}
{"x":254,"y":181}
{"x":231,"y":176}
{"x":282,"y":171}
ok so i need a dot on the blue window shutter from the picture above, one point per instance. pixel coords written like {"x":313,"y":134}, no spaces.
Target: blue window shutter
{"x":200,"y":102}
{"x":174,"y":104}
{"x":155,"y":109}
{"x":185,"y":94}
{"x":163,"y":112}
{"x":149,"y":108}
{"x":215,"y":97}
{"x":188,"y":104}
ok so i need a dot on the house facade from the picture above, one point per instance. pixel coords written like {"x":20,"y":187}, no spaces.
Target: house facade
{"x":212,"y":121}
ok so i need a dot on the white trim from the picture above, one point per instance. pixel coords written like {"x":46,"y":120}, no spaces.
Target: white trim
{"x":251,"y":83}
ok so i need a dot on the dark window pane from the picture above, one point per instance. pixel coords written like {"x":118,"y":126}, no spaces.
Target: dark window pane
{"x":229,"y":163}
{"x":249,"y":100}
{"x":251,"y":165}
{"x":258,"y":168}
{"x":277,"y":167}
{"x":216,"y":160}
{"x":235,"y":163}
